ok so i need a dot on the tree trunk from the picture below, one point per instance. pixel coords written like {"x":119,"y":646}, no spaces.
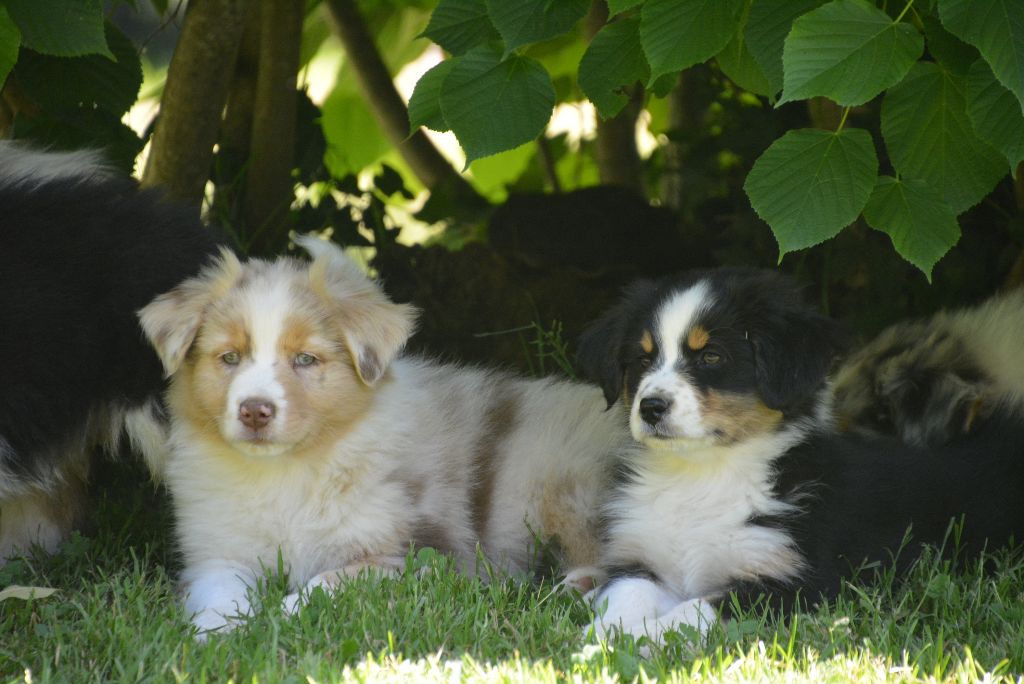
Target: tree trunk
{"x":269,"y":188}
{"x":193,"y":99}
{"x":236,"y":130}
{"x":618,"y":159}
{"x":426,"y":162}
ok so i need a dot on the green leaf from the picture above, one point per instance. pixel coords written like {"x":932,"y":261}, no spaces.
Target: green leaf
{"x":10,"y":41}
{"x":354,"y":138}
{"x":529,"y":21}
{"x":63,"y":82}
{"x":996,"y":28}
{"x":620,"y":6}
{"x":848,"y":51}
{"x":913,"y":214}
{"x":494,"y":104}
{"x":948,"y":50}
{"x":995,"y":114}
{"x":61,"y":28}
{"x":769,"y":23}
{"x":491,"y":175}
{"x":459,"y":25}
{"x":86,"y":126}
{"x":928,"y":134}
{"x":613,"y":60}
{"x":738,"y":64}
{"x":425,"y":103}
{"x":810,"y":184}
{"x":677,"y":34}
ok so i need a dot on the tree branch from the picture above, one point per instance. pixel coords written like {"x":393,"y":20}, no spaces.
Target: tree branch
{"x":193,"y":99}
{"x":376,"y":83}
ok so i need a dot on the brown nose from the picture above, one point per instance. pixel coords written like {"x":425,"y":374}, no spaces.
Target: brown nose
{"x":256,"y":413}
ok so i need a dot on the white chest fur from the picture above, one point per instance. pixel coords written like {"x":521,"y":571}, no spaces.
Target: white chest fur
{"x":686,"y":517}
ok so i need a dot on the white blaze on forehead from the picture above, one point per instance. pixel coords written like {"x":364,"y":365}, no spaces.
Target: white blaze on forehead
{"x":677,"y":315}
{"x":265,"y":310}
{"x":675,"y":318}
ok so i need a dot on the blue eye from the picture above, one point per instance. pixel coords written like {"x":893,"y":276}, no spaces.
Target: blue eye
{"x":302,"y":359}
{"x":231,"y":358}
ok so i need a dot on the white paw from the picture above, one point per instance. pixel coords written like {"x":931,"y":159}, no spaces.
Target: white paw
{"x":291,"y":603}
{"x":208,"y":621}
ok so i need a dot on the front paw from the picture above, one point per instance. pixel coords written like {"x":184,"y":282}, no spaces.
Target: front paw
{"x":209,"y":621}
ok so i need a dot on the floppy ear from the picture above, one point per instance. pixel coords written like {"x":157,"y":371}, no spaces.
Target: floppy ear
{"x":374,"y":328}
{"x":172,"y":320}
{"x":599,"y":352}
{"x":793,"y":351}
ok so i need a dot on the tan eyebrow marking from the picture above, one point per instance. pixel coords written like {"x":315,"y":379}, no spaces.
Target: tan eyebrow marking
{"x":698,"y":337}
{"x":647,"y":342}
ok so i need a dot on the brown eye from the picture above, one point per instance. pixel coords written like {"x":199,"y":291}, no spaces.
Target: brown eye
{"x":231,"y":358}
{"x":710,"y":358}
{"x":645,"y":361}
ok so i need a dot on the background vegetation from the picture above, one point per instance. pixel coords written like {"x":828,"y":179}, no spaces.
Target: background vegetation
{"x":872,"y":148}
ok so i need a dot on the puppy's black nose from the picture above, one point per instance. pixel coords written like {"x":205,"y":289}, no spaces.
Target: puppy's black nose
{"x":256,"y":413}
{"x":652,"y":409}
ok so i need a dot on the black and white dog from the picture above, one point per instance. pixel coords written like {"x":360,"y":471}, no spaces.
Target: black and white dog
{"x":81,"y":249}
{"x":739,"y":483}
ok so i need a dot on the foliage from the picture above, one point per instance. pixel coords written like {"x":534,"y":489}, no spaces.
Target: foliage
{"x":75,"y":75}
{"x":949,"y":75}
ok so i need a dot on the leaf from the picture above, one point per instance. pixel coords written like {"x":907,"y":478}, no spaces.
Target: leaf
{"x":529,"y":21}
{"x":769,"y":23}
{"x":928,"y":135}
{"x":93,"y":80}
{"x":16,"y":591}
{"x":996,"y":28}
{"x":85,"y":126}
{"x":459,"y":25}
{"x":848,"y":51}
{"x":995,"y":114}
{"x":10,"y":41}
{"x":354,"y":138}
{"x":613,"y":61}
{"x":913,"y":214}
{"x":494,"y":104}
{"x":425,"y":103}
{"x":620,"y":6}
{"x":60,"y":28}
{"x":810,"y":184}
{"x":738,"y":64}
{"x":677,"y":34}
{"x":948,"y":50}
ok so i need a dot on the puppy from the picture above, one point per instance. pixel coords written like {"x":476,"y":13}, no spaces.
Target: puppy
{"x":298,"y":430}
{"x":928,"y":381}
{"x":739,"y":483}
{"x":81,"y":249}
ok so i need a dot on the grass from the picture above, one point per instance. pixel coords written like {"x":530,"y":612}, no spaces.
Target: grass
{"x":115,"y":617}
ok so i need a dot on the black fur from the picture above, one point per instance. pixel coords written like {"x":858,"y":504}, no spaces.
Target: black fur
{"x":756,"y":312}
{"x":875,"y":501}
{"x":80,"y":253}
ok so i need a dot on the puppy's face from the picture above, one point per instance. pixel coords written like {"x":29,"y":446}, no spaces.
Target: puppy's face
{"x":273,"y":357}
{"x":710,"y":358}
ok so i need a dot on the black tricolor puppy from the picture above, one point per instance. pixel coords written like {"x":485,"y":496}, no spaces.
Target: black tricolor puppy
{"x":81,"y":249}
{"x":739,"y":482}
